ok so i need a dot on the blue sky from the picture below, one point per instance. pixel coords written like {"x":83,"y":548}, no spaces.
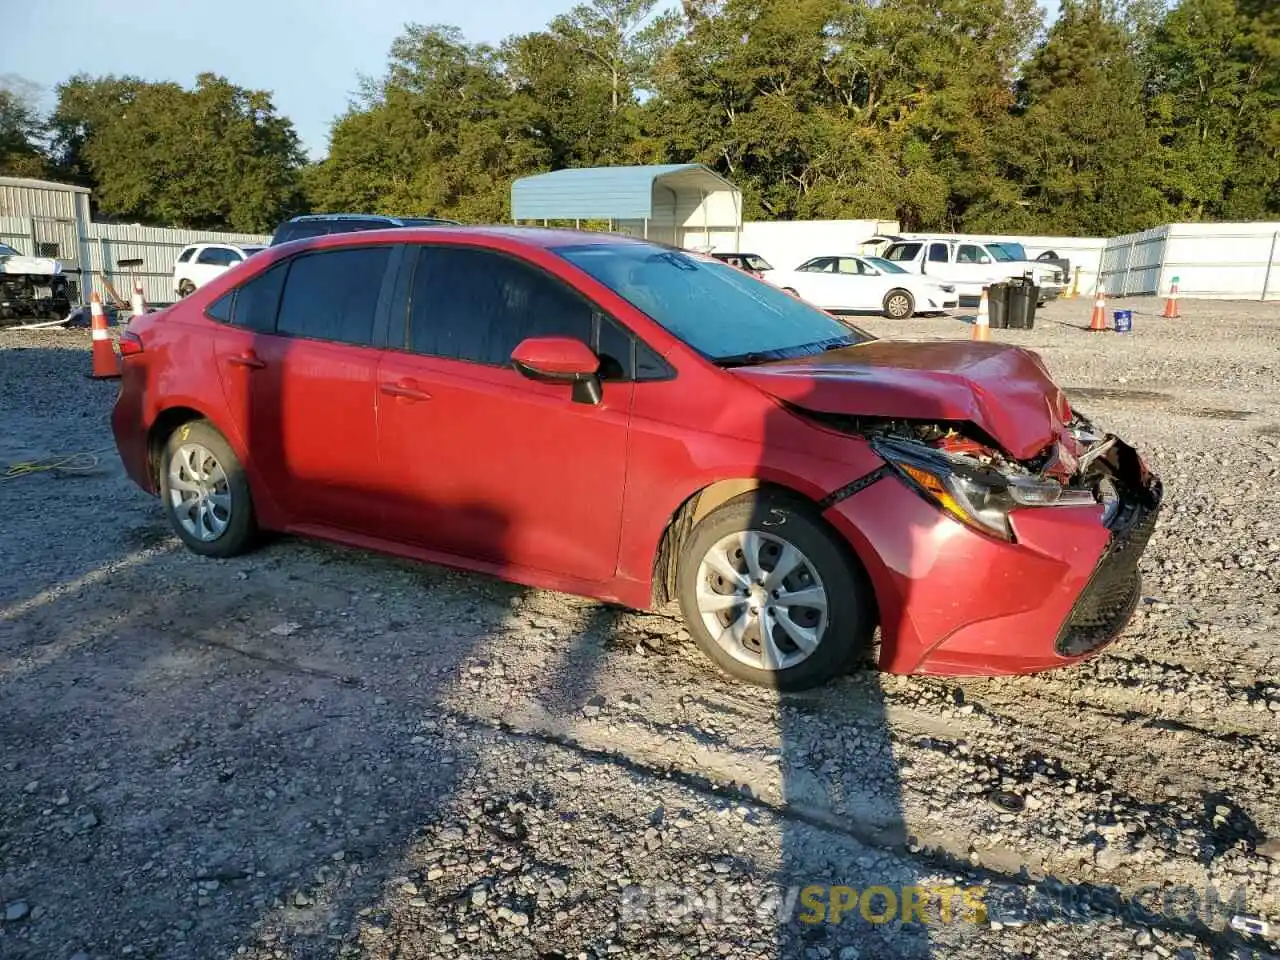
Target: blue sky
{"x":309,"y":53}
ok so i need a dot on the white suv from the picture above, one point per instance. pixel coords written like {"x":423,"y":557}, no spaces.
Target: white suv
{"x":201,"y":262}
{"x":971,"y":265}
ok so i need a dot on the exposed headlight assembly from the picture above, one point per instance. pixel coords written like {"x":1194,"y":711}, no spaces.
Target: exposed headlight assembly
{"x":977,"y":496}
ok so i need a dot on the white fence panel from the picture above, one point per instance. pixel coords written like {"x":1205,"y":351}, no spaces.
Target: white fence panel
{"x":157,"y":248}
{"x":789,"y":243}
{"x":1223,"y":260}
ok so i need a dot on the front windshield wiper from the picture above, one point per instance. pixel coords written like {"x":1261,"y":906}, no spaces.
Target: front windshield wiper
{"x":785,"y":353}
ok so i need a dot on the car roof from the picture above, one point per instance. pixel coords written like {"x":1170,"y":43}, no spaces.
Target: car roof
{"x":544,"y":237}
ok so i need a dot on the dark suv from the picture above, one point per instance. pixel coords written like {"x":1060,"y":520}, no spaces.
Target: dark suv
{"x":319,"y":224}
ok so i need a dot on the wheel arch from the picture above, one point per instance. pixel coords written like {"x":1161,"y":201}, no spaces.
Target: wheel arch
{"x":713,"y":495}
{"x":170,"y":419}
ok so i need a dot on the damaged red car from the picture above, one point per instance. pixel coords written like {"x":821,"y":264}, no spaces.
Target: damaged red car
{"x":636,"y":423}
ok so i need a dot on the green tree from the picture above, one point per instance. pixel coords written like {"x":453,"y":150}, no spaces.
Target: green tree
{"x":1215,"y":79}
{"x":831,"y":108}
{"x":216,"y":156}
{"x":1080,"y":148}
{"x":432,"y":137}
{"x":21,"y":130}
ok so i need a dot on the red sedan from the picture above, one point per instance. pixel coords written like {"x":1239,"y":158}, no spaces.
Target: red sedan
{"x":631,"y":422}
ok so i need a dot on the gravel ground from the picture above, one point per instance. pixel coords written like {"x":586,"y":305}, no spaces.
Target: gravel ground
{"x":317,"y":752}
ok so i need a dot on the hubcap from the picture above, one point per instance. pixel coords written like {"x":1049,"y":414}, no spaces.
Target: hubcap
{"x":898,"y":306}
{"x":762,"y":600}
{"x":199,"y":492}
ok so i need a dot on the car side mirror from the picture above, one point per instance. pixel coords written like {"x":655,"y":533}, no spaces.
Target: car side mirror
{"x":984,"y":259}
{"x":561,"y":360}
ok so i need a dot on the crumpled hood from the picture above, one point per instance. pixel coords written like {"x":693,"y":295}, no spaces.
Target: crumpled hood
{"x":1004,"y":391}
{"x":29,"y":265}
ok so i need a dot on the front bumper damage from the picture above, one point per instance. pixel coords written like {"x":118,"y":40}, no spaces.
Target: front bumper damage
{"x":31,"y":297}
{"x":954,"y":601}
{"x":1109,"y":599}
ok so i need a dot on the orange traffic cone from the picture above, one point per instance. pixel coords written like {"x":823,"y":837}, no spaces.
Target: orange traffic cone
{"x":982,"y":322}
{"x":1171,"y":302}
{"x":106,"y":365}
{"x":1098,"y":321}
{"x":139,"y":300}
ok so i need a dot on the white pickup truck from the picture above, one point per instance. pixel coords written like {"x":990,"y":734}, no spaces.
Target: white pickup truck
{"x":971,"y":265}
{"x":31,"y":288}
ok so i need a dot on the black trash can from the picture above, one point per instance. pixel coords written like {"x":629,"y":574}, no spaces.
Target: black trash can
{"x":1023,"y":297}
{"x":998,"y":305}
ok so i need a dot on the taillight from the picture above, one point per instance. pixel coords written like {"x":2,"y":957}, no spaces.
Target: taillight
{"x":130,"y":344}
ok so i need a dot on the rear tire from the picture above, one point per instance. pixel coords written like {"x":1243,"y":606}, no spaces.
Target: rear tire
{"x":899,"y":304}
{"x":205,"y":492}
{"x":816,"y":637}
{"x":186,"y":288}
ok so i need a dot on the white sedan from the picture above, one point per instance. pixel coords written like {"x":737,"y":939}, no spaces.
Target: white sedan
{"x":201,"y":262}
{"x":845,"y":283}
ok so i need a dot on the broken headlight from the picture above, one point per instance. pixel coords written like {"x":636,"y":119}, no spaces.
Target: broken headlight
{"x":980,"y":497}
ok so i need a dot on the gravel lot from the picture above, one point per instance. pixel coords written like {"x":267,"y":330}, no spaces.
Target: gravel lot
{"x":316,"y":752}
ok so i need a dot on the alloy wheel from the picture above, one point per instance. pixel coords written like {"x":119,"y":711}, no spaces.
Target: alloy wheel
{"x":762,"y":600}
{"x":199,"y":492}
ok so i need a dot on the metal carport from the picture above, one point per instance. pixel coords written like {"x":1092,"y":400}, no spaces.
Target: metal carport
{"x":684,"y":204}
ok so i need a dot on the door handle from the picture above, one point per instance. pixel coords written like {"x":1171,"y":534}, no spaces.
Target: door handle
{"x":406,"y":389}
{"x":248,"y":359}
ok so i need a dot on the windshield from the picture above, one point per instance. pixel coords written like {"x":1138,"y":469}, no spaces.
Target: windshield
{"x":880,"y":263}
{"x":723,"y":313}
{"x":758,"y":263}
{"x":1015,"y":250}
{"x":999,"y":252}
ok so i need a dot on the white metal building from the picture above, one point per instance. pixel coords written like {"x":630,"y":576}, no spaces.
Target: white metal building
{"x":684,"y":204}
{"x":45,"y":219}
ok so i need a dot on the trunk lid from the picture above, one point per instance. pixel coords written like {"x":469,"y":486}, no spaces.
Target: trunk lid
{"x":1004,"y":391}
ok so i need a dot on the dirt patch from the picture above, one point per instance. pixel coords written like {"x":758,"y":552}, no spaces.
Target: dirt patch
{"x":1117,"y":394}
{"x":1214,"y":413}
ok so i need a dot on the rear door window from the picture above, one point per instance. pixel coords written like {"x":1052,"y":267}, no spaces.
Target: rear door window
{"x":938,"y":253}
{"x":252,"y":305}
{"x":818,"y":265}
{"x":333,"y":294}
{"x":218,"y":257}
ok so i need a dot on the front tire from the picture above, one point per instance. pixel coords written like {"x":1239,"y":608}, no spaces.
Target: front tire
{"x":186,"y":288}
{"x":205,"y":492}
{"x":899,"y":304}
{"x":772,"y":596}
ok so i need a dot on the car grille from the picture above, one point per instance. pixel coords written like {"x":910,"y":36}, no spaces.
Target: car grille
{"x":1109,"y":598}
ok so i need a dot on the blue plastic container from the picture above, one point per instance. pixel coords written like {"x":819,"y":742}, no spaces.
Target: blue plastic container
{"x":1123,"y":320}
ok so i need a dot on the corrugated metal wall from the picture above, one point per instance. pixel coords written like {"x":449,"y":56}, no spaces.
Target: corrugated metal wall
{"x":156,"y":247}
{"x":23,"y":198}
{"x":102,"y":246}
